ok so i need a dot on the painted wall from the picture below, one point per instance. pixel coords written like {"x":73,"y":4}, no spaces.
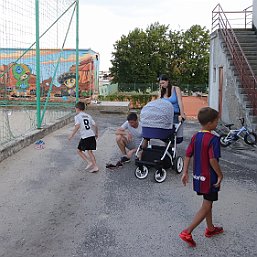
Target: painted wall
{"x":18,"y":76}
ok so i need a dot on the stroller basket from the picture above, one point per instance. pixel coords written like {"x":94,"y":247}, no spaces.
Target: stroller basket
{"x":159,"y":157}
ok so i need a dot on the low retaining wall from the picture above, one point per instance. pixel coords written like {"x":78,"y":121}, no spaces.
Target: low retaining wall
{"x":110,"y":107}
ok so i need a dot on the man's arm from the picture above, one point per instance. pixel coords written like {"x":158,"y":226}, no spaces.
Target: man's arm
{"x":121,"y":131}
{"x":125,"y":133}
{"x":215,"y":165}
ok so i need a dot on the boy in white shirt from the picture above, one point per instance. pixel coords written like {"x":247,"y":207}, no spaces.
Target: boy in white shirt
{"x":88,"y":132}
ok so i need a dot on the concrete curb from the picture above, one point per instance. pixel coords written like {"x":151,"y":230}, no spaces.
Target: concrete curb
{"x":110,"y":107}
{"x":19,"y":143}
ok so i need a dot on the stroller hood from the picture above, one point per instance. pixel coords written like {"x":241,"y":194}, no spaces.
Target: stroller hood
{"x":157,"y":114}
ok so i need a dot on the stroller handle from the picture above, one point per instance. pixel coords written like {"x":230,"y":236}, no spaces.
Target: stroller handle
{"x":180,"y":124}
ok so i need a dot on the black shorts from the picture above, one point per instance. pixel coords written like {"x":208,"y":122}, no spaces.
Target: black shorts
{"x":88,"y":143}
{"x":210,"y":197}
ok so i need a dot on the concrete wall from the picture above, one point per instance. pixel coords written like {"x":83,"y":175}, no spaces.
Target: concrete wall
{"x":215,"y":53}
{"x":255,"y":13}
{"x":232,"y":104}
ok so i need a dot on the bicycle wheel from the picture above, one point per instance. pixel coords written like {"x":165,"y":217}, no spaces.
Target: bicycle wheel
{"x":250,"y":138}
{"x":223,"y":141}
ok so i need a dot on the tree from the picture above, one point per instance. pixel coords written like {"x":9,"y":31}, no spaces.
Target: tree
{"x":129,"y":57}
{"x":195,"y":55}
{"x":142,"y":56}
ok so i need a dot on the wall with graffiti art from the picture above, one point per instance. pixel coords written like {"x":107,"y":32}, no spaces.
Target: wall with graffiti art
{"x":57,"y":73}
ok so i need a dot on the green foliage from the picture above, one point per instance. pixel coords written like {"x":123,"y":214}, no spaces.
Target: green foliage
{"x":135,"y":99}
{"x":143,"y":88}
{"x":141,"y":56}
{"x":86,"y":93}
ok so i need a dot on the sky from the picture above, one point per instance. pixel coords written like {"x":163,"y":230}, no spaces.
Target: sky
{"x":103,"y":22}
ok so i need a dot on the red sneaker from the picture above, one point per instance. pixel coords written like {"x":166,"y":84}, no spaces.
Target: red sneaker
{"x":185,"y":236}
{"x":215,"y":231}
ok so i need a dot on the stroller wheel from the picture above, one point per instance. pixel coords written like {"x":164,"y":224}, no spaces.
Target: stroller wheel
{"x":160,"y":175}
{"x":141,"y":172}
{"x":178,"y":164}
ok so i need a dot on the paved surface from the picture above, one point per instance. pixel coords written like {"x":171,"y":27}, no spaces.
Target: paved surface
{"x":49,"y":206}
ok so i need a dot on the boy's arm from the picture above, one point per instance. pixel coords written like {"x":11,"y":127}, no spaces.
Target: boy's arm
{"x":215,"y":165}
{"x":184,"y":177}
{"x":74,"y":131}
{"x":96,"y":130}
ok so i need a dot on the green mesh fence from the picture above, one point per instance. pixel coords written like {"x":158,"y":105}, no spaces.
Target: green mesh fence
{"x":18,"y":41}
{"x":41,"y":64}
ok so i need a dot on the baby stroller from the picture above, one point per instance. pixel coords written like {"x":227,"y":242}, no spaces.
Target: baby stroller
{"x":159,"y":113}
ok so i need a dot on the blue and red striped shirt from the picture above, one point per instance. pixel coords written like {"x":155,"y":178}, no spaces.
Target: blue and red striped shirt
{"x":203,"y":147}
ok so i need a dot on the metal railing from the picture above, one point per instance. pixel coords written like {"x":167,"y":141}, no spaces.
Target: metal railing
{"x":246,"y":75}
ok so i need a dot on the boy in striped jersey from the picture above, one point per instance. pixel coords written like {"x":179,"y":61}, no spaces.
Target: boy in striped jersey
{"x":207,"y":176}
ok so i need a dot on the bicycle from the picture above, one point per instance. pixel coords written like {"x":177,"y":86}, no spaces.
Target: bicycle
{"x":233,"y":135}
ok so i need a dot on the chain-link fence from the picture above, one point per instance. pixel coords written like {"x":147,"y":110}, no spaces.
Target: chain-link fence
{"x":16,"y":122}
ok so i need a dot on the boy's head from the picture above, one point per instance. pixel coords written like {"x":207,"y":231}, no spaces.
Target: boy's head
{"x":80,"y":106}
{"x":207,"y":115}
{"x":132,"y":119}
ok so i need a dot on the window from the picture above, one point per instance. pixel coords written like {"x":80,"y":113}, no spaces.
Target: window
{"x":214,"y":75}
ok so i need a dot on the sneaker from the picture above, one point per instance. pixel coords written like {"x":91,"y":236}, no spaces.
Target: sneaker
{"x":124,"y":159}
{"x":215,"y":231}
{"x":185,"y":236}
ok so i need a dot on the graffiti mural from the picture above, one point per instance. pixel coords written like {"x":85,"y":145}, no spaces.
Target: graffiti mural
{"x":18,"y":78}
{"x":69,"y":80}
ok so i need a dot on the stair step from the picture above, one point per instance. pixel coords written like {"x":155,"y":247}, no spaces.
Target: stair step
{"x":245,"y":34}
{"x":250,"y":51}
{"x":249,"y":44}
{"x":248,"y":48}
{"x":236,"y":73}
{"x":246,"y":40}
{"x":237,"y":30}
{"x":251,"y":56}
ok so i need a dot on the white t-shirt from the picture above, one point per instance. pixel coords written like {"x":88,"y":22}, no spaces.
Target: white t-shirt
{"x":135,"y":132}
{"x":85,"y":122}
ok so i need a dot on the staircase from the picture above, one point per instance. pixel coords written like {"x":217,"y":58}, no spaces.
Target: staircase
{"x":247,"y":40}
{"x":241,"y":48}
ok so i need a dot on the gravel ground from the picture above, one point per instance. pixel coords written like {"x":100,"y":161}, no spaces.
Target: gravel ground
{"x":50,"y":206}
